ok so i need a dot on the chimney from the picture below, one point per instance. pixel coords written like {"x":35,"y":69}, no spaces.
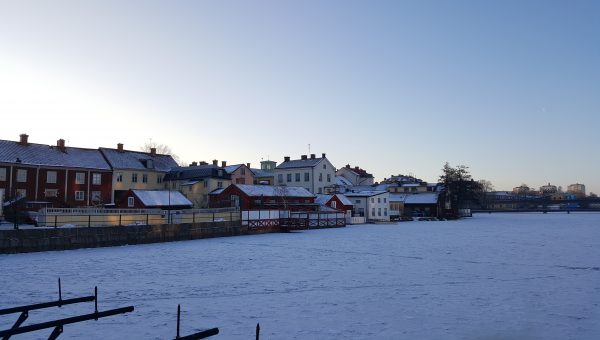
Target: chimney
{"x":120,"y":147}
{"x":347,"y":166}
{"x":303,"y":157}
{"x":322,"y":155}
{"x":223,"y":164}
{"x":203,"y":163}
{"x":153,"y":151}
{"x":215,"y":162}
{"x":23,"y":140}
{"x":248,"y":165}
{"x":286,"y":158}
{"x":312,"y":156}
{"x":356,"y":168}
{"x":60,"y":144}
{"x":194,"y":164}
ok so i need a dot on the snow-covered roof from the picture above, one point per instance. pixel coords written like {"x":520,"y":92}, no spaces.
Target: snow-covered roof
{"x":262,"y":173}
{"x":344,"y":199}
{"x":398,"y":197}
{"x":422,"y":198}
{"x":138,"y":160}
{"x":272,"y":191}
{"x":365,"y":193}
{"x":153,"y":198}
{"x":341,"y":180}
{"x":48,"y":155}
{"x":300,"y":163}
{"x":189,"y":183}
{"x":323,"y":199}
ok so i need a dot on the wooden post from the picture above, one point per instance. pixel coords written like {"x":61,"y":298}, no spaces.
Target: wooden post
{"x":257,"y":331}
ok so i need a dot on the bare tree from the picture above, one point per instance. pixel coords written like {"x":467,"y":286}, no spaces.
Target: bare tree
{"x":162,"y":149}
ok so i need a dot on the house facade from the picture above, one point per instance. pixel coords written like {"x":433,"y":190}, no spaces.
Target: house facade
{"x":266,"y":174}
{"x":312,"y":173}
{"x":355,"y":175}
{"x":336,"y":201}
{"x":53,"y":175}
{"x":240,"y":173}
{"x":197,"y":181}
{"x":260,"y":197}
{"x":136,"y":169}
{"x":374,"y":205}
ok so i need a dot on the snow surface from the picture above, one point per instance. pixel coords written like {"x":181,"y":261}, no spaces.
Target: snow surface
{"x":493,"y":276}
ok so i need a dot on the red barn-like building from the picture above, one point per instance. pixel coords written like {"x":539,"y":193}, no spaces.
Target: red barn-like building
{"x":255,"y":197}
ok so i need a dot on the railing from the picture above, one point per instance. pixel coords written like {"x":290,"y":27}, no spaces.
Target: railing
{"x":91,"y":217}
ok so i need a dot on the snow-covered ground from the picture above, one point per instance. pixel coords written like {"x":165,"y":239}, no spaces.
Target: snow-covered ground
{"x":498,"y":276}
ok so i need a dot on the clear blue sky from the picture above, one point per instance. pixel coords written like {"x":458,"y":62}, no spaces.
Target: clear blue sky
{"x":509,"y":88}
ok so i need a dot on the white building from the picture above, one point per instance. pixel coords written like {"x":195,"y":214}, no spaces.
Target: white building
{"x":374,"y":204}
{"x":314,"y":174}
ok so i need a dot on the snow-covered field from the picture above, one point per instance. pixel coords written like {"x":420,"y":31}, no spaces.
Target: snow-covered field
{"x":498,"y":276}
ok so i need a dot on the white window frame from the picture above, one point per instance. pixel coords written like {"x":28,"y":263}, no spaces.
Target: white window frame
{"x":51,"y":177}
{"x":119,"y":177}
{"x":130,"y":202}
{"x":21,"y":175}
{"x":334,"y":204}
{"x":80,"y":178}
{"x":2,"y":174}
{"x":96,"y":195}
{"x":96,"y":178}
{"x":80,"y":195}
{"x":134,"y":177}
{"x":144,"y":178}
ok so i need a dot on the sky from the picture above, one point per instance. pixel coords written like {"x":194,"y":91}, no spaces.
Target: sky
{"x":510,"y":89}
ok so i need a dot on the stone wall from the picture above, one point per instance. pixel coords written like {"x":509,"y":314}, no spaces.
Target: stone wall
{"x":44,"y":239}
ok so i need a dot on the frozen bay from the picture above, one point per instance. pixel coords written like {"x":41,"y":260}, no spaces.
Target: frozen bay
{"x":497,"y":276}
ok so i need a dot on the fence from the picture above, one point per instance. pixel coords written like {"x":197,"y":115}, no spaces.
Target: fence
{"x":266,"y":219}
{"x":92,"y":217}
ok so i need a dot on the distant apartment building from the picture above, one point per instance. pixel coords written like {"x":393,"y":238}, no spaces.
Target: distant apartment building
{"x":548,"y":189}
{"x":577,"y":189}
{"x":312,"y":173}
{"x":240,"y":173}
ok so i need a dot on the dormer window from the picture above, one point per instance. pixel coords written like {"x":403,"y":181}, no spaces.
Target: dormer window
{"x":150,"y":164}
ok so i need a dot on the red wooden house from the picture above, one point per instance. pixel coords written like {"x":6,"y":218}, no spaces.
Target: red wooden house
{"x":335,"y":201}
{"x":255,"y":197}
{"x":48,"y":175}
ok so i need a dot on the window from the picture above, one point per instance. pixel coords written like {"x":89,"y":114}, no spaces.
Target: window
{"x":158,"y":179}
{"x":219,"y":184}
{"x":324,"y":166}
{"x":372,"y":211}
{"x":2,"y":174}
{"x":119,"y":177}
{"x":334,"y":204}
{"x":150,"y":164}
{"x":79,"y":195}
{"x":51,"y":193}
{"x":134,"y":177}
{"x":97,"y":196}
{"x":361,"y":212}
{"x":320,"y":177}
{"x":242,"y":171}
{"x":406,"y":189}
{"x":280,"y":178}
{"x":80,"y":178}
{"x":130,"y":202}
{"x":357,"y":201}
{"x":320,"y":190}
{"x":21,"y":175}
{"x":372,"y":199}
{"x":328,"y":177}
{"x":289,"y":177}
{"x":240,"y":181}
{"x":306,"y":176}
{"x":384,"y":211}
{"x":220,"y":173}
{"x":51,"y":177}
{"x":144,"y":178}
{"x":297,"y":177}
{"x":21,"y":192}
{"x":378,"y":199}
{"x":379,"y":212}
{"x":96,"y":179}
{"x":384,"y":200}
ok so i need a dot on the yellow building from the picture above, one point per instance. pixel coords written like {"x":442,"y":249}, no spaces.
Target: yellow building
{"x":136,"y":169}
{"x":197,"y":181}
